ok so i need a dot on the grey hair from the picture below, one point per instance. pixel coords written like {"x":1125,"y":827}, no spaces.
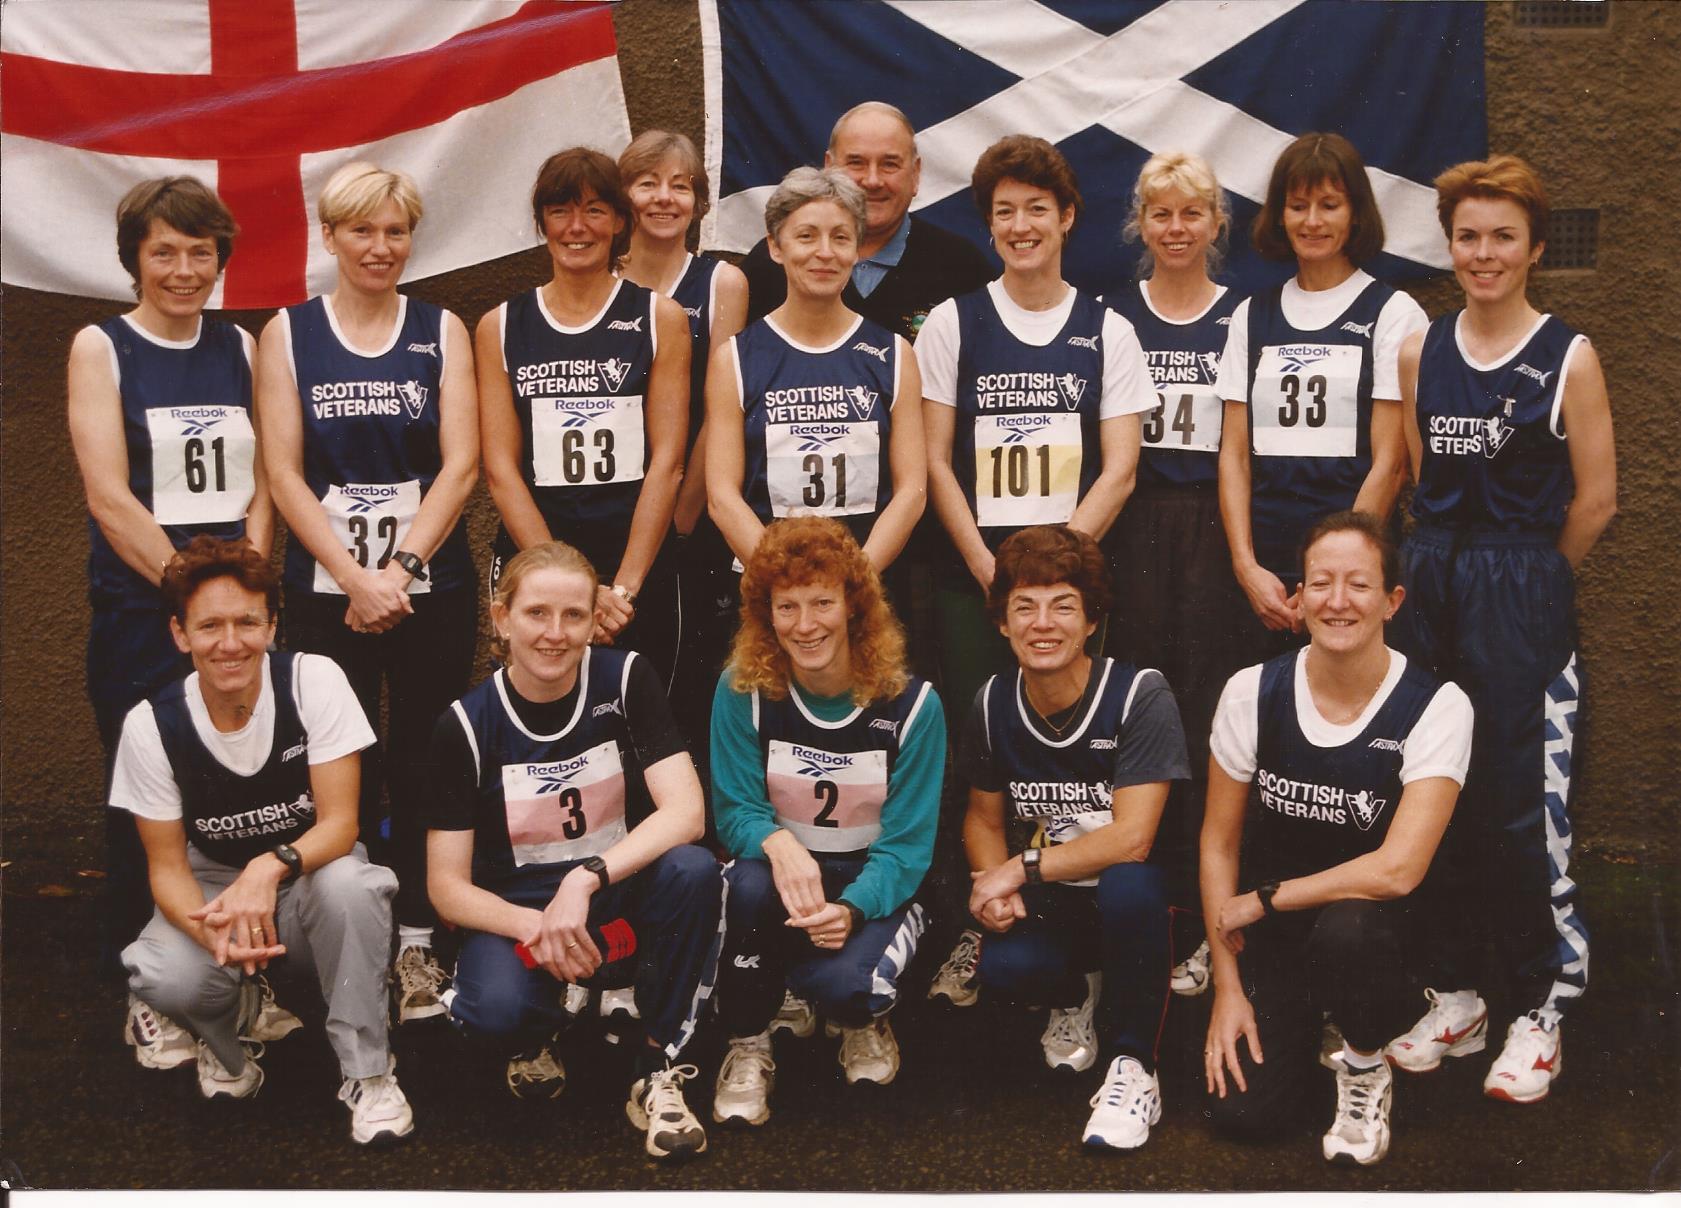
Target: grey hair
{"x":881,"y":107}
{"x":1189,"y":173}
{"x":803,"y":186}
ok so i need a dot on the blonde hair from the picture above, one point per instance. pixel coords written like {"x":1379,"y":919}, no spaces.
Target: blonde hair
{"x":798,"y":552}
{"x":358,"y":189}
{"x":551,"y":555}
{"x":1184,"y":172}
{"x":649,"y":150}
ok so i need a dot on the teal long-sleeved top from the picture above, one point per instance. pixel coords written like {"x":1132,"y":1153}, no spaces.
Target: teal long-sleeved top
{"x":898,"y":859}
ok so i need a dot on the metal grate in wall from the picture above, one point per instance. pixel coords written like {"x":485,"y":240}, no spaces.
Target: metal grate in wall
{"x":1561,"y":14}
{"x":1572,"y":240}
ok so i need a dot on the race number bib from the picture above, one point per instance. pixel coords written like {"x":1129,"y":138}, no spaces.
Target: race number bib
{"x":830,"y":801}
{"x":1185,"y":421}
{"x":370,"y":520}
{"x":568,"y":810}
{"x":578,"y":442}
{"x":1306,"y":400}
{"x":1027,"y":469}
{"x":203,"y":461}
{"x":829,"y":468}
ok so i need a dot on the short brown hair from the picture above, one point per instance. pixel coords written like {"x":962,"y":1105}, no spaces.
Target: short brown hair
{"x":1310,"y":160}
{"x":1045,"y":554}
{"x":1504,"y":177}
{"x":1369,"y":527}
{"x":205,"y":558}
{"x":816,"y":549}
{"x":550,"y":555}
{"x":567,"y":175}
{"x":648,"y":149}
{"x":183,"y":202}
{"x":1030,"y":160}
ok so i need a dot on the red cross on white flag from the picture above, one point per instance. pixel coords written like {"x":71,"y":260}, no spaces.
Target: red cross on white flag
{"x":263,"y":99}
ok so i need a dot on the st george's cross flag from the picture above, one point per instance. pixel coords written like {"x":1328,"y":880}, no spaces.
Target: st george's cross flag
{"x":264,"y":99}
{"x":1110,"y":82}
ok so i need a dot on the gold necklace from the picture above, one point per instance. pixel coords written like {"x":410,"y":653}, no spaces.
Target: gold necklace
{"x":1365,"y":698}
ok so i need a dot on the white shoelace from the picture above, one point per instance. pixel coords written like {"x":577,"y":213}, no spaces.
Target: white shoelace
{"x":746,"y":1066}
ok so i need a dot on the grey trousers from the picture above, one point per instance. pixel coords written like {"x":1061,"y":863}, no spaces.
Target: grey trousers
{"x":337,"y":918}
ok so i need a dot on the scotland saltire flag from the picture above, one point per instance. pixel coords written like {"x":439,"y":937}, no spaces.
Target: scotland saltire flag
{"x":1110,"y":82}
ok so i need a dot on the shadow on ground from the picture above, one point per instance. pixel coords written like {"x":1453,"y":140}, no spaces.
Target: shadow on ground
{"x":973,"y":1109}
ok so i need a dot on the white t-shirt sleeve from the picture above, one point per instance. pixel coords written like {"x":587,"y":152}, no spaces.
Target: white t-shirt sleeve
{"x":1399,"y":318}
{"x":1440,"y":743}
{"x":1232,"y":384}
{"x":1127,"y":388}
{"x":937,"y":346}
{"x":1235,"y":738}
{"x":142,"y":782}
{"x":331,"y":714}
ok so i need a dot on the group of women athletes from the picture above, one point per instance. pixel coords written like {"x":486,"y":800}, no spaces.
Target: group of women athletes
{"x":550,"y":812}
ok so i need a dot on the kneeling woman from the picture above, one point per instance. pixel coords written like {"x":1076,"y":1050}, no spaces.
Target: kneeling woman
{"x":536,"y":849}
{"x":1083,"y":749}
{"x":826,"y":765}
{"x":1342,"y":762}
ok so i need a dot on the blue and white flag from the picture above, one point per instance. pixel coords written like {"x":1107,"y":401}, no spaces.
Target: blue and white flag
{"x":1110,"y":82}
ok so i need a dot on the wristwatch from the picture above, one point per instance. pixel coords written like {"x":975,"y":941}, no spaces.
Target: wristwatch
{"x":1264,"y":891}
{"x":599,"y":867}
{"x":288,"y":855}
{"x":411,"y":563}
{"x":1030,"y":864}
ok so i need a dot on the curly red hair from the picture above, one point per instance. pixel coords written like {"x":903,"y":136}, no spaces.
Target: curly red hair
{"x":814,"y":549}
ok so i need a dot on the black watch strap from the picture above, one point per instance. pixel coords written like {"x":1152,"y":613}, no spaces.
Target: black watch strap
{"x":599,"y":867}
{"x":1264,"y":891}
{"x":288,"y":855}
{"x":410,"y":562}
{"x":1030,"y":865}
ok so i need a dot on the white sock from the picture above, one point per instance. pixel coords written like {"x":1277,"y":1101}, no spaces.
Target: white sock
{"x":1465,"y":1000}
{"x":1361,"y":1061}
{"x":413,"y":937}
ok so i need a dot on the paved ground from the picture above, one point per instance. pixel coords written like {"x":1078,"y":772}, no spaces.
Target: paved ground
{"x":973,"y":1109}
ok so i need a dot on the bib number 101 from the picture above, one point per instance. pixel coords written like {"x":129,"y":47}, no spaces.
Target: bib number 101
{"x":1012,"y":470}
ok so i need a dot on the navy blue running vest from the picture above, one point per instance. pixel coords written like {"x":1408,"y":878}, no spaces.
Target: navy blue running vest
{"x":817,"y":424}
{"x":827,"y":781}
{"x":1311,"y":808}
{"x":233,"y":819}
{"x":551,"y":799}
{"x":1063,"y":785}
{"x":581,"y":394}
{"x":191,"y":448}
{"x":694,"y":293}
{"x":1495,"y":454}
{"x":1182,"y":435}
{"x":370,"y":441}
{"x":1310,"y":419}
{"x":1026,"y":447}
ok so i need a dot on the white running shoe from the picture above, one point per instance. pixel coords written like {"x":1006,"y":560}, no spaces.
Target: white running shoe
{"x":1330,"y":1046}
{"x":159,"y":1042}
{"x":1192,"y":975}
{"x":1070,"y":1037}
{"x":260,"y":1017}
{"x":379,"y":1111}
{"x":420,"y":982}
{"x":537,"y":1073}
{"x":1125,"y":1107}
{"x":1456,"y":1025}
{"x":1360,"y":1132}
{"x":1526,"y":1067}
{"x":621,"y":1002}
{"x":575,"y":1002}
{"x":214,"y":1081}
{"x":745,"y":1080}
{"x":656,"y":1106}
{"x":796,"y":1016}
{"x":870,"y":1053}
{"x":955,"y":981}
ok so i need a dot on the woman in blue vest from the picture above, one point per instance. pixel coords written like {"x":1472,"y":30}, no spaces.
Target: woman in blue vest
{"x":1177,"y":606}
{"x":1333,"y":775}
{"x":1509,"y":428}
{"x":663,"y":174}
{"x":563,"y":818}
{"x":161,"y":424}
{"x":803,"y":407}
{"x":370,"y":425}
{"x":1032,"y":393}
{"x":1313,"y":416}
{"x":583,"y":385}
{"x":827,"y":758}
